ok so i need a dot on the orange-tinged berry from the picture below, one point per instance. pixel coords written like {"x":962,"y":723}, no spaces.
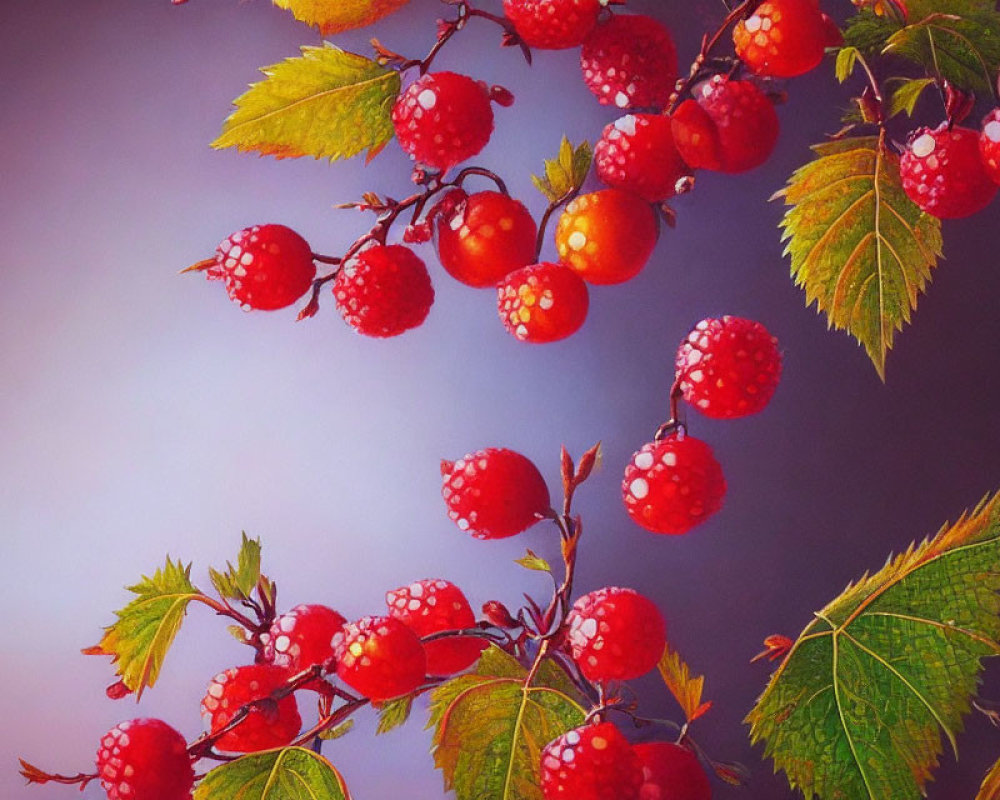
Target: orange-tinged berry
{"x":543,"y":303}
{"x":782,"y":38}
{"x":380,"y":657}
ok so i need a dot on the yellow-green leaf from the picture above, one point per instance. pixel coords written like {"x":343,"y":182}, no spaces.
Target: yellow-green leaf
{"x":534,"y":562}
{"x":327,"y":103}
{"x":990,"y":790}
{"x":566,"y":172}
{"x":334,"y":16}
{"x":393,"y":713}
{"x":847,"y":57}
{"x":238,"y":582}
{"x":859,"y":246}
{"x":906,"y":96}
{"x":292,"y":773}
{"x":858,"y":707}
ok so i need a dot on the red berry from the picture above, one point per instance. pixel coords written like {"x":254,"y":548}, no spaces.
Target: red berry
{"x":543,"y":303}
{"x":630,"y":61}
{"x":384,"y":292}
{"x":607,"y":236}
{"x":264,"y":267}
{"x":443,"y":118}
{"x":552,"y":24}
{"x":696,"y":135}
{"x":673,"y":484}
{"x":782,"y":38}
{"x":494,"y":493}
{"x":615,"y":634}
{"x":637,"y":154}
{"x":431,"y":606}
{"x":989,"y":144}
{"x":300,"y":638}
{"x":728,"y":367}
{"x":594,"y":762}
{"x":268,"y":725}
{"x":485,"y":236}
{"x":943,"y":173}
{"x":671,"y":772}
{"x":144,"y":759}
{"x":379,"y":657}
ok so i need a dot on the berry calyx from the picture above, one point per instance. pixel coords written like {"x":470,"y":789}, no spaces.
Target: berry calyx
{"x":144,"y":759}
{"x":989,"y":144}
{"x":494,"y":493}
{"x":728,"y":367}
{"x":543,"y":303}
{"x":593,"y":762}
{"x":607,"y":236}
{"x":671,"y":772}
{"x":782,"y":38}
{"x":269,"y":724}
{"x":443,"y":118}
{"x":615,"y":634}
{"x":630,"y":61}
{"x":300,"y":638}
{"x":264,"y":267}
{"x":484,"y":236}
{"x":637,"y":154}
{"x":943,"y":172}
{"x":672,"y":485}
{"x":384,"y":292}
{"x":379,"y":657}
{"x":552,"y":24}
{"x":431,"y":606}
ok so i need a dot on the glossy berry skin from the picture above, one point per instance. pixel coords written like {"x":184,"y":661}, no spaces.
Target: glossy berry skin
{"x":989,"y":144}
{"x":672,"y":485}
{"x":615,"y":634}
{"x":384,"y":292}
{"x":272,"y":725}
{"x":552,"y":24}
{"x":485,"y":236}
{"x":494,"y":493}
{"x":593,"y":762}
{"x":144,"y":759}
{"x":300,"y":638}
{"x":379,"y":657}
{"x":543,"y":303}
{"x":264,"y":267}
{"x":434,"y":605}
{"x":607,"y":236}
{"x":630,"y":62}
{"x":943,"y":172}
{"x":743,"y":131}
{"x":728,"y":367}
{"x":671,"y":772}
{"x":637,"y":154}
{"x":443,"y":118}
{"x":782,"y":38}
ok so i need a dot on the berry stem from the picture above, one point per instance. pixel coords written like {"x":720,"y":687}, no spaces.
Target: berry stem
{"x":675,"y":422}
{"x":554,"y":206}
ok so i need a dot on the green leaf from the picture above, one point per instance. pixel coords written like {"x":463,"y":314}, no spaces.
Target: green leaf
{"x":859,"y":246}
{"x":146,"y":627}
{"x":565,"y":173}
{"x":292,"y":773}
{"x":327,"y":104}
{"x":238,"y":582}
{"x":337,"y":731}
{"x":533,"y":562}
{"x":905,"y":98}
{"x":868,"y":32}
{"x":858,"y":707}
{"x":334,"y":16}
{"x":847,"y":57}
{"x":490,"y":728}
{"x":393,"y":713}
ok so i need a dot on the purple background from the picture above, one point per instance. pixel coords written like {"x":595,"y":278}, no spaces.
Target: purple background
{"x":141,"y":413}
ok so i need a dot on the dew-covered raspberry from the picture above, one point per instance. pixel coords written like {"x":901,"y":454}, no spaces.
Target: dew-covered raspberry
{"x":543,"y":303}
{"x":782,"y":38}
{"x":552,"y":24}
{"x":144,"y":759}
{"x":380,"y":657}
{"x":671,"y":772}
{"x":593,"y":762}
{"x":300,"y":638}
{"x":637,"y":153}
{"x":943,"y":172}
{"x":270,"y":724}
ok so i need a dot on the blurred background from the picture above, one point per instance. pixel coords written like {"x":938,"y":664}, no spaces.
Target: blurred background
{"x":141,"y":413}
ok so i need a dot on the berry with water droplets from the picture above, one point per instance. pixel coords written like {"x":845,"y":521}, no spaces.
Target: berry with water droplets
{"x":431,"y":606}
{"x":607,"y":236}
{"x":782,"y":38}
{"x":484,"y":236}
{"x":989,"y":144}
{"x":269,"y":724}
{"x":144,"y":759}
{"x":552,"y":24}
{"x":630,"y":61}
{"x":672,"y":485}
{"x":593,"y":762}
{"x":637,"y":154}
{"x":728,"y":367}
{"x":615,"y":634}
{"x":379,"y":657}
{"x":943,"y":172}
{"x":543,"y":303}
{"x":300,"y":638}
{"x":443,"y":118}
{"x":494,"y":493}
{"x":671,"y":772}
{"x":384,"y":291}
